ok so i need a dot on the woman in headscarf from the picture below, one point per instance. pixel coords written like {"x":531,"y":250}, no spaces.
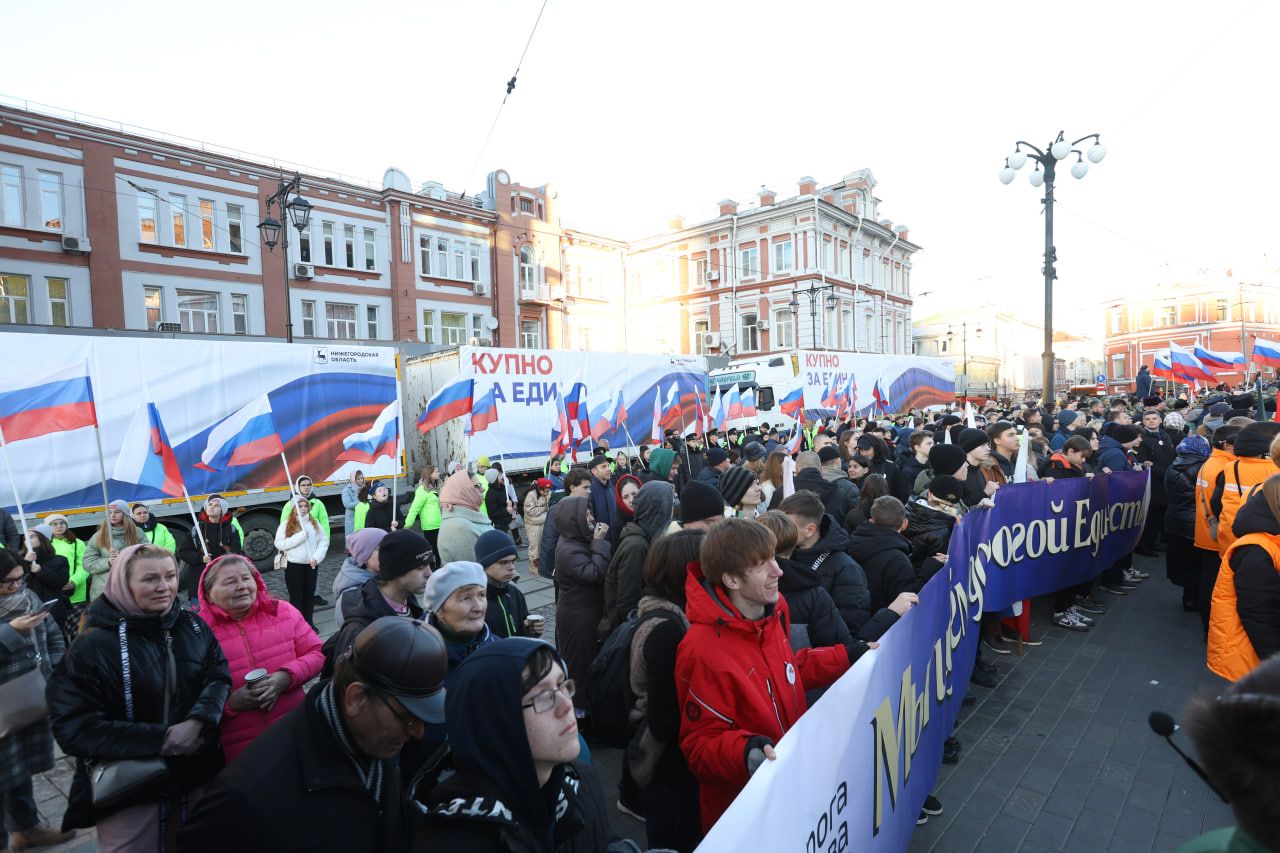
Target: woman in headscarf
{"x":582,"y":557}
{"x":1184,"y":562}
{"x":351,"y":500}
{"x":107,"y":702}
{"x":623,"y":581}
{"x":536,"y":502}
{"x":624,"y":497}
{"x":359,"y":568}
{"x":115,"y":533}
{"x":461,"y":518}
{"x":29,"y":640}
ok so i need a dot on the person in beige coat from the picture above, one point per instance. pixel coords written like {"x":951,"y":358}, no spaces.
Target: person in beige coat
{"x":535,"y":516}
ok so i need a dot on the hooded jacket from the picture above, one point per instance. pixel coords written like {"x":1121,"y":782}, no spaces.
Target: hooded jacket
{"x":318,"y":511}
{"x":1206,"y":515}
{"x":660,"y":462}
{"x":929,"y":532}
{"x":738,"y":679}
{"x":220,"y":537}
{"x":581,"y":562}
{"x":1058,"y":467}
{"x":624,"y":579}
{"x":840,"y":576}
{"x":362,"y":605}
{"x":885,"y":557}
{"x":87,"y":704}
{"x":1238,"y":480}
{"x":308,"y":542}
{"x":1180,"y":487}
{"x":837,"y":501}
{"x":1111,"y":454}
{"x":272,"y":635}
{"x":815,"y":621}
{"x":374,"y":513}
{"x":157,"y":534}
{"x":1244,"y":620}
{"x":492,"y":801}
{"x":350,"y":574}
{"x":425,"y":506}
{"x":507,"y":610}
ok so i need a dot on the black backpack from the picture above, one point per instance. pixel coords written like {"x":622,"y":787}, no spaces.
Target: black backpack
{"x":609,"y":695}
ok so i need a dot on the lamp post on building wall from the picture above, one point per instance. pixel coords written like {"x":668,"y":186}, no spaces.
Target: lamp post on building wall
{"x":296,"y":210}
{"x":813,"y":290}
{"x":1046,"y":163}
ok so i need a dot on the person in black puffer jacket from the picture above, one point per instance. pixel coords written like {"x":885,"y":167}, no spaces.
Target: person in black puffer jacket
{"x":822,"y":548}
{"x":815,"y":621}
{"x":837,"y":501}
{"x":87,"y":698}
{"x":930,"y":521}
{"x":1184,"y":562}
{"x":884,"y":553}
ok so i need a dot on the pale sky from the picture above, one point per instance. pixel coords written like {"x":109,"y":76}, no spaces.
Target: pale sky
{"x":638,"y":112}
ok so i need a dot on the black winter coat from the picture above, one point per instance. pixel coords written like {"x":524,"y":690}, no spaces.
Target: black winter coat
{"x":495,"y":505}
{"x":1160,"y":450}
{"x":885,"y":557}
{"x":550,"y":536}
{"x":624,"y":579}
{"x":909,"y":468}
{"x":929,"y":532}
{"x":1257,"y":579}
{"x":815,"y":621}
{"x":361,"y":605}
{"x":48,"y":583}
{"x":87,"y":703}
{"x":220,"y":538}
{"x":507,"y":611}
{"x":380,"y":514}
{"x":838,"y":573}
{"x":887,"y":469}
{"x":1180,"y":488}
{"x":295,"y":789}
{"x":837,"y":501}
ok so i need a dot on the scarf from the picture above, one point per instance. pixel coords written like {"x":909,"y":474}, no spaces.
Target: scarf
{"x":371,"y":778}
{"x":17,"y":604}
{"x":460,"y":490}
{"x":117,"y":590}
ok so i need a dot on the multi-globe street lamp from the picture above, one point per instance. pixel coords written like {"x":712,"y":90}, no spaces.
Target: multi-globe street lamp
{"x":296,"y":210}
{"x":1045,"y":171}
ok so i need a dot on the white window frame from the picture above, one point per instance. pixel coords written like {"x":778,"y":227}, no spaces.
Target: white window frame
{"x":700,"y":267}
{"x":748,"y":262}
{"x":188,"y":315}
{"x":459,"y":260}
{"x":370,"y":250}
{"x":63,"y":301}
{"x":15,"y":308}
{"x":304,"y":244}
{"x":749,"y":333}
{"x":147,"y":308}
{"x":235,"y":230}
{"x":340,"y":328}
{"x":51,"y":194}
{"x":528,"y":271}
{"x":1117,"y":365}
{"x":474,"y":259}
{"x":428,"y":325}
{"x":12,"y":203}
{"x":453,"y":335}
{"x":239,"y":314}
{"x":308,"y":318}
{"x":147,"y":204}
{"x":701,"y":326}
{"x":424,"y":251}
{"x":371,"y":321}
{"x":208,"y":237}
{"x":326,"y":231}
{"x":784,"y":256}
{"x":442,"y":257}
{"x":348,"y":248}
{"x":783,"y":328}
{"x":530,"y":334}
{"x":178,"y":219}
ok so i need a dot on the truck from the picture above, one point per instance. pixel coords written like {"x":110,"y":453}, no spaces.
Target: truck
{"x":323,"y":401}
{"x":902,"y":382}
{"x":624,"y":395}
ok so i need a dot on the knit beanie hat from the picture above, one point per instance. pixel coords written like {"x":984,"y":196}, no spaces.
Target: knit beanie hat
{"x":699,"y":501}
{"x":734,"y":483}
{"x":492,"y":546}
{"x":362,"y":543}
{"x":808,"y":459}
{"x":828,"y":454}
{"x":446,"y":580}
{"x":971,"y":439}
{"x":402,"y":551}
{"x":491,"y":475}
{"x":44,"y":530}
{"x":946,"y":488}
{"x":1123,"y":433}
{"x":716,"y":456}
{"x":1066,"y":416}
{"x":120,"y":505}
{"x":754,"y":451}
{"x":57,"y":516}
{"x":946,"y":459}
{"x":1196,"y":445}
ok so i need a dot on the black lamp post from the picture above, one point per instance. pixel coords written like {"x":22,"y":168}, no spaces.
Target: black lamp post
{"x":296,"y":210}
{"x":813,"y":290}
{"x":1046,"y":162}
{"x":964,"y":346}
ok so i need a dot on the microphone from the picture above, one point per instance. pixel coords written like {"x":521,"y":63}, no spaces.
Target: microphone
{"x":1163,"y":725}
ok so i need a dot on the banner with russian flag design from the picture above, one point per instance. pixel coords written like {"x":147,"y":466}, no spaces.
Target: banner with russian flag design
{"x":60,"y":401}
{"x":246,"y":437}
{"x":146,"y":456}
{"x":381,"y":439}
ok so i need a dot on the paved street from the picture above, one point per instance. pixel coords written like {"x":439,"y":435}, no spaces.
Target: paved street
{"x":1058,"y":757}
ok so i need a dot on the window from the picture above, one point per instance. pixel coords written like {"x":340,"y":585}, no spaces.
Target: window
{"x":239,"y":314}
{"x":943,"y":345}
{"x":442,"y":257}
{"x":424,"y":247}
{"x":526,"y":205}
{"x":1115,"y":322}
{"x":51,"y":200}
{"x":783,"y":257}
{"x":1169,"y":315}
{"x":147,"y":217}
{"x":308,"y":318}
{"x":349,"y":245}
{"x":783,"y":329}
{"x":528,"y":280}
{"x":453,"y":328}
{"x":206,"y":224}
{"x":859,"y":264}
{"x":846,"y":326}
{"x":11,"y":198}
{"x":749,"y":263}
{"x":475,"y":262}
{"x":198,"y":312}
{"x":700,"y":272}
{"x":1117,"y":366}
{"x":327,"y":231}
{"x":235,"y":230}
{"x":370,"y":252}
{"x":178,"y":217}
{"x":459,"y":262}
{"x":304,"y":245}
{"x":428,"y":324}
{"x":826,"y":256}
{"x":749,"y":339}
{"x":701,"y":328}
{"x":371,"y":320}
{"x":341,"y":320}
{"x":1223,"y":308}
{"x":530,"y":334}
{"x":13,"y":299}
{"x":153,"y":303}
{"x":475,"y":325}
{"x":59,"y":302}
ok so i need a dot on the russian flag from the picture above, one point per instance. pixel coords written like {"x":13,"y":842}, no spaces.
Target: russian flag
{"x":748,"y":402}
{"x":882,"y":400}
{"x":843,"y":401}
{"x":797,"y":437}
{"x":451,"y":401}
{"x":484,"y":413}
{"x":1221,"y":361}
{"x":1186,"y":366}
{"x":672,"y":405}
{"x":609,"y":416}
{"x":792,"y":404}
{"x":575,"y":405}
{"x":146,"y":456}
{"x":1162,"y":366}
{"x":245,"y":437}
{"x":655,"y":432}
{"x":735,"y":403}
{"x":382,"y":439}
{"x":1265,"y":353}
{"x":561,"y":431}
{"x":718,"y":413}
{"x":830,"y":397}
{"x":57,"y":402}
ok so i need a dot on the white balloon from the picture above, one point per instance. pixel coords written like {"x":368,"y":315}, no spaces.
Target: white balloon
{"x":1006,"y":175}
{"x":1080,"y":169}
{"x":1096,"y":152}
{"x":1036,"y":178}
{"x":1017,"y":159}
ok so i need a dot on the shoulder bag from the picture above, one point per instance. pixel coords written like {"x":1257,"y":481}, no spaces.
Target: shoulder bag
{"x":115,"y":782}
{"x":22,"y":701}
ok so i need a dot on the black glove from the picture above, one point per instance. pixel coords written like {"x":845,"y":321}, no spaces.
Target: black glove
{"x":856,"y":649}
{"x":753,"y":752}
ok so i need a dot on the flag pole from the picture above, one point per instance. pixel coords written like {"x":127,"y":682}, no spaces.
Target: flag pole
{"x":13,"y":483}
{"x":195,"y":523}
{"x":97,"y":434}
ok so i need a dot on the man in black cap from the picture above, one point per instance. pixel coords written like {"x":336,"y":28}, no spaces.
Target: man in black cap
{"x":405,"y":560}
{"x":947,"y":460}
{"x":716,"y":463}
{"x":977,"y":447}
{"x":326,"y":776}
{"x":701,"y":506}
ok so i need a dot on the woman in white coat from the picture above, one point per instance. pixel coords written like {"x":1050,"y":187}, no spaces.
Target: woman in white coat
{"x":304,"y":542}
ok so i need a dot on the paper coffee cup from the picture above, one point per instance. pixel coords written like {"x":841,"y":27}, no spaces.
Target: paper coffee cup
{"x":253,"y":676}
{"x":535,"y":619}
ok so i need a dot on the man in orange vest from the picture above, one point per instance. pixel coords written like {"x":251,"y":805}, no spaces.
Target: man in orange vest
{"x":1206,"y":535}
{"x":1236,"y":481}
{"x":1244,"y":627}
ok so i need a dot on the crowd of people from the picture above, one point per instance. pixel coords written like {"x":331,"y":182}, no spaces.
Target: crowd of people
{"x":707,"y":591}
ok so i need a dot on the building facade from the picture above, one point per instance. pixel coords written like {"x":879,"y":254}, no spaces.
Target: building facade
{"x":1224,"y":315}
{"x":109,"y":228}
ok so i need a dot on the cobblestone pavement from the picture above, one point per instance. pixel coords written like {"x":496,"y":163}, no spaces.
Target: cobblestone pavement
{"x":1057,"y":757}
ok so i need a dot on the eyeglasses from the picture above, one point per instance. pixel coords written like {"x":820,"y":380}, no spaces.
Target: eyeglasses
{"x":546,"y":700}
{"x":13,"y":583}
{"x":407,"y":720}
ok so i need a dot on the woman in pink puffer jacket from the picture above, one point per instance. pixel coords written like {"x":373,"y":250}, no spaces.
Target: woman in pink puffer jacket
{"x":256,"y":632}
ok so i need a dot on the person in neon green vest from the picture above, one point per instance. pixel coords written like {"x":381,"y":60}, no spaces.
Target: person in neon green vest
{"x":426,"y":505}
{"x":152,"y":530}
{"x":68,"y":545}
{"x":303,"y":486}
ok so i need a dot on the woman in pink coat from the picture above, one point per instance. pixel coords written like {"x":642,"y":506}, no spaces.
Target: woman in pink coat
{"x":256,"y":632}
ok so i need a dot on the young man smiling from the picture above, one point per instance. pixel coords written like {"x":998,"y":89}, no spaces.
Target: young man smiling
{"x":739,"y":684}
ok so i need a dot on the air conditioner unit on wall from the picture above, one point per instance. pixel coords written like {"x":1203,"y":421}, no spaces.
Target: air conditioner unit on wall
{"x":763,"y":325}
{"x":304,"y":271}
{"x":710,"y":340}
{"x":481,"y":289}
{"x":713,"y":275}
{"x":75,"y":244}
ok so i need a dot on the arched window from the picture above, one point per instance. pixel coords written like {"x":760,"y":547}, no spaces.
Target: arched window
{"x":528,"y":278}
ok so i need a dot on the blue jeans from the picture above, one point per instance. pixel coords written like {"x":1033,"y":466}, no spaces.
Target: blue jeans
{"x":19,"y":811}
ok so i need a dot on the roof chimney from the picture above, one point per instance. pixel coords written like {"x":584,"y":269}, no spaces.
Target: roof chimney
{"x":808,"y":186}
{"x":767,"y":197}
{"x":728,"y":207}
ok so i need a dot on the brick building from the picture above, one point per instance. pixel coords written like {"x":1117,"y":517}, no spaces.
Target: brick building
{"x":1225,"y":315}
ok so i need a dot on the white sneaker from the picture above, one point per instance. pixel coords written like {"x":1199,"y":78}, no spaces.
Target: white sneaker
{"x":1134,"y":576}
{"x":1067,"y":619}
{"x":1080,"y":617}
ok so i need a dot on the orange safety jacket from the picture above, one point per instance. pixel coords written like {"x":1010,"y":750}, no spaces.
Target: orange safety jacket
{"x":1240,"y":479}
{"x":1206,"y":518}
{"x":1230,"y":654}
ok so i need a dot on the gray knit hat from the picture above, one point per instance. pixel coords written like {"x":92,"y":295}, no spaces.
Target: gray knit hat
{"x":446,"y":580}
{"x":734,"y":483}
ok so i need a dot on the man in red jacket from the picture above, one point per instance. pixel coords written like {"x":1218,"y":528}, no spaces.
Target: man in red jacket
{"x":739,"y":683}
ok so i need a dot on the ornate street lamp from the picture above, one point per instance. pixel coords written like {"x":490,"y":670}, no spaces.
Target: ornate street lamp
{"x":296,"y":210}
